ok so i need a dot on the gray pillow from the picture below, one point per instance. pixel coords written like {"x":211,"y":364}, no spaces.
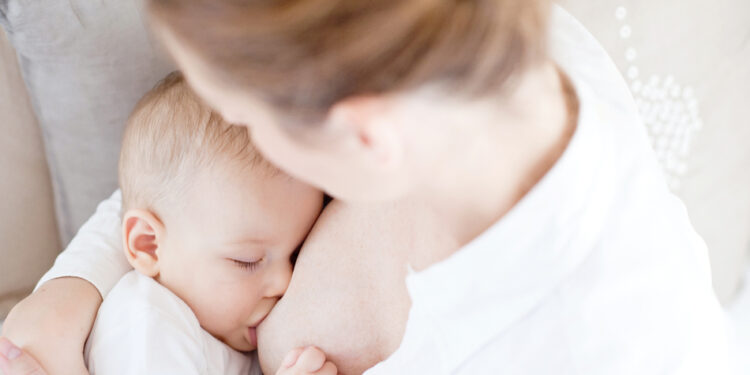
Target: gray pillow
{"x":85,"y":64}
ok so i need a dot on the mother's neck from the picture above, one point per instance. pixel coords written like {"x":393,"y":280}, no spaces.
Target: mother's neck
{"x":488,"y":160}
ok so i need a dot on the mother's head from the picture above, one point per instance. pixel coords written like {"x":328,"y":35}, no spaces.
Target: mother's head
{"x":358,"y":97}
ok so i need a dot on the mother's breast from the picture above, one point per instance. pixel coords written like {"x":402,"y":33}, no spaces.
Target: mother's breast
{"x":347,"y":295}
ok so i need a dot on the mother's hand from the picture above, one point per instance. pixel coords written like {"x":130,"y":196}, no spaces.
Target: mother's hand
{"x":14,"y":361}
{"x":51,"y":325}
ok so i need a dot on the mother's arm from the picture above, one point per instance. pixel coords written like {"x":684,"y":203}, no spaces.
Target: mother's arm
{"x":52,"y":325}
{"x":347,"y":295}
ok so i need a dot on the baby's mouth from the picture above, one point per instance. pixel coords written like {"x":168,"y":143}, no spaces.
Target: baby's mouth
{"x":252,"y":337}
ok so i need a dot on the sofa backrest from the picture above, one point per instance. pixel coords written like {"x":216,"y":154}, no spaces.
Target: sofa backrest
{"x":28,"y":230}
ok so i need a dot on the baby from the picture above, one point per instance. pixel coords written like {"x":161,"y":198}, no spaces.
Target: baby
{"x":211,"y":229}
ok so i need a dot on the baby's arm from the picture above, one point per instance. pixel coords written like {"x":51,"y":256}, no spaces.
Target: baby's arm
{"x":53,"y":323}
{"x":307,"y":361}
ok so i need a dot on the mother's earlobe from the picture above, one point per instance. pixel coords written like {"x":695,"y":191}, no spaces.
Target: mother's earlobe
{"x":366,"y":120}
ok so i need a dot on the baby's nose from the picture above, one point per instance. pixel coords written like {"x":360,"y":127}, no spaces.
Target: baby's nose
{"x":279,"y":280}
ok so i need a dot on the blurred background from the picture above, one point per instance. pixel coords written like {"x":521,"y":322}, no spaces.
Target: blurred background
{"x":70,"y":71}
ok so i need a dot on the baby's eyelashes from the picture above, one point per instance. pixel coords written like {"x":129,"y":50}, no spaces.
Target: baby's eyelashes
{"x":247,"y":265}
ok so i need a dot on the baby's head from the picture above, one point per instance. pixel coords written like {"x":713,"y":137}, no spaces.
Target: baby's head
{"x":205,"y":215}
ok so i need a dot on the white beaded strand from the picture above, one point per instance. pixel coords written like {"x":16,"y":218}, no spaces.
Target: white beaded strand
{"x":669,"y":111}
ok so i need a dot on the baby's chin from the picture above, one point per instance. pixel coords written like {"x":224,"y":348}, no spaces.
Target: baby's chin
{"x":242,"y":347}
{"x":239,"y":341}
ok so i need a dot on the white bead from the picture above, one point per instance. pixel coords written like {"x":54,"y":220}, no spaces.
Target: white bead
{"x":621,"y":13}
{"x":660,"y":94}
{"x":625,"y":32}
{"x":663,"y":117}
{"x":676,"y":91}
{"x":685,"y":147}
{"x":679,"y":107}
{"x":661,"y":145}
{"x":633,"y":72}
{"x":647,"y":91}
{"x":681,"y":169}
{"x":657,"y":127}
{"x":631,"y":54}
{"x":636,"y":86}
{"x":668,"y":106}
{"x":671,"y":163}
{"x":676,"y":142}
{"x":688,"y":92}
{"x":674,"y":117}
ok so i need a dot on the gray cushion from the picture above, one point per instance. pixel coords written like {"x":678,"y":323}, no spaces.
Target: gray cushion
{"x":85,"y":63}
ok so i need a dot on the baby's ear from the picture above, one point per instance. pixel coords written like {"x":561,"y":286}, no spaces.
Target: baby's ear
{"x":141,"y":234}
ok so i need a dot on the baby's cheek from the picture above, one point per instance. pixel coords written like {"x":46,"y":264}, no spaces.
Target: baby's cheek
{"x":221,"y":315}
{"x":213,"y":303}
{"x":242,"y":304}
{"x":234,"y":304}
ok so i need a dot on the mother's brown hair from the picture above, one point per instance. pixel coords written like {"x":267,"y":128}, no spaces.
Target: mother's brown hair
{"x":303,"y":56}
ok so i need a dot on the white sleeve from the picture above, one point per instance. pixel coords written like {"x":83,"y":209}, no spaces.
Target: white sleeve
{"x":95,"y":254}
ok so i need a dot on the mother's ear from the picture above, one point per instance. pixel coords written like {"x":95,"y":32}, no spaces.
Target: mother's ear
{"x":141,"y":234}
{"x":366,"y":121}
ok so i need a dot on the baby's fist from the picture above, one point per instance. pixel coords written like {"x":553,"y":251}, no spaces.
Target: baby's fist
{"x":307,"y":361}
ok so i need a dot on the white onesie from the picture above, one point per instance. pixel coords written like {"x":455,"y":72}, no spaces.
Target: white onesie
{"x":143,"y":328}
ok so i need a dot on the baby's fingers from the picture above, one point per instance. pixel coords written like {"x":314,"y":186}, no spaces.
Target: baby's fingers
{"x":311,"y":360}
{"x":291,"y":358}
{"x":328,"y":369}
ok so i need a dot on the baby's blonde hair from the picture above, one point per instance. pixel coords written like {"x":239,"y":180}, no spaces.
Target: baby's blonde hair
{"x":170,"y":136}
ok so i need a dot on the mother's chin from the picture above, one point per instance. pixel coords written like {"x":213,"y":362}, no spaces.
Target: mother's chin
{"x":346,"y":296}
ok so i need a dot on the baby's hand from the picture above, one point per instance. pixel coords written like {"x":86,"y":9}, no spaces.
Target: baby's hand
{"x":307,"y":361}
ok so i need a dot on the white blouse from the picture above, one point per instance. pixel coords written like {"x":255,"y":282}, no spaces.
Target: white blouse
{"x":596,"y":271}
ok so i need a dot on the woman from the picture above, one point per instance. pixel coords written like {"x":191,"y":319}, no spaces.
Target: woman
{"x":510,"y":187}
